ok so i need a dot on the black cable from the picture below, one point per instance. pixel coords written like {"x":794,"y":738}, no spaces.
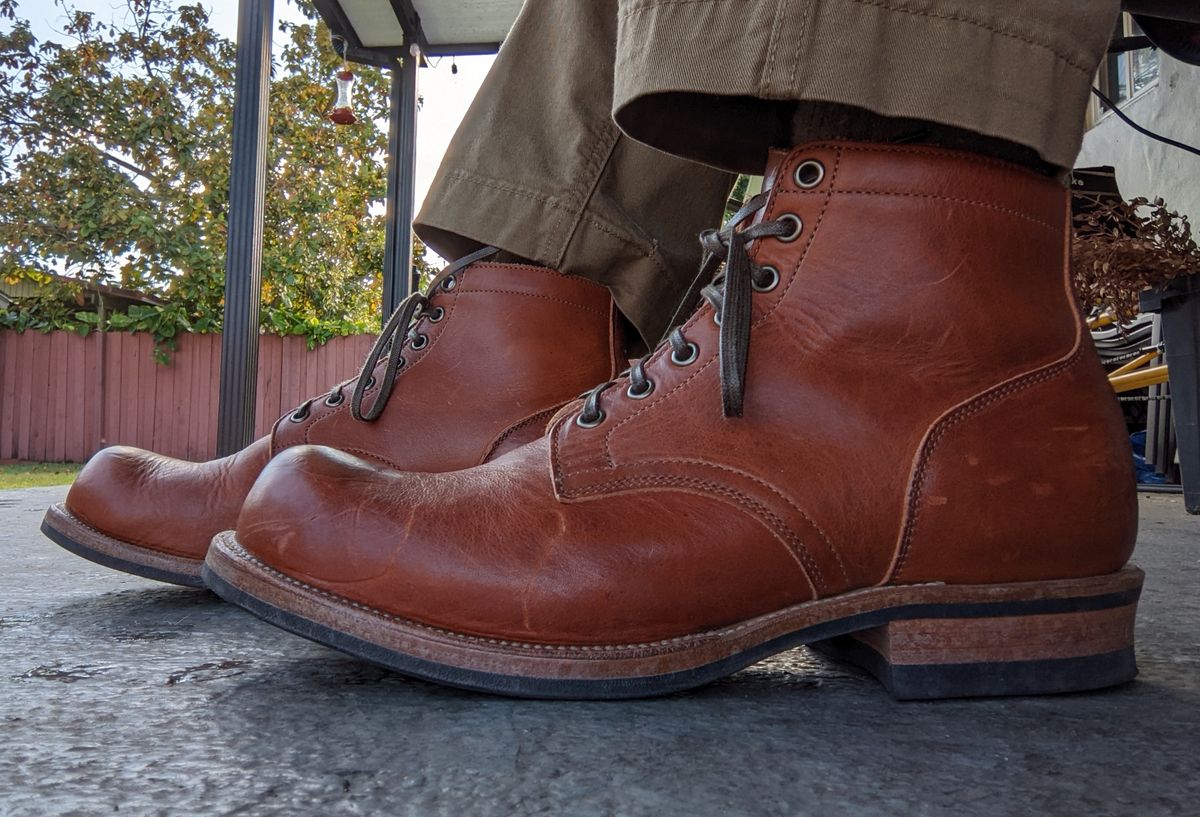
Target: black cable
{"x":1144,"y":131}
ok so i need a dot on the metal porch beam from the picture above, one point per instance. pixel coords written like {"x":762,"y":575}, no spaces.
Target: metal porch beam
{"x":243,"y":255}
{"x":410,"y":21}
{"x":401,"y":170}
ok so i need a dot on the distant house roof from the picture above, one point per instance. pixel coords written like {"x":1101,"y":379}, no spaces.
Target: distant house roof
{"x":114,"y":297}
{"x":378,"y":31}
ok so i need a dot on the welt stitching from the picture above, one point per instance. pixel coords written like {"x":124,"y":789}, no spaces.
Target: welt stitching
{"x":963,"y":413}
{"x":681,"y":641}
{"x":958,"y":18}
{"x":138,"y":542}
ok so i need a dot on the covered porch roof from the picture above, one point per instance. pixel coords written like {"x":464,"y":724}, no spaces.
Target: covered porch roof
{"x":376,"y":31}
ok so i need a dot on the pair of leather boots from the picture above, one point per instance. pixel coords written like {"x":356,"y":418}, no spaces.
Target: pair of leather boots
{"x":883,"y":432}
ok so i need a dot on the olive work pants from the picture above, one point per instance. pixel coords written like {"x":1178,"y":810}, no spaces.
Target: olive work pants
{"x":604,"y":138}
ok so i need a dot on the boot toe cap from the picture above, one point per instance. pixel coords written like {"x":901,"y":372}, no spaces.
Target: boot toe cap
{"x":296,"y":517}
{"x":161,"y":503}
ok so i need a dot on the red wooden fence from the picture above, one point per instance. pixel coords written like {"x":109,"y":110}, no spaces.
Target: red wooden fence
{"x":63,"y":397}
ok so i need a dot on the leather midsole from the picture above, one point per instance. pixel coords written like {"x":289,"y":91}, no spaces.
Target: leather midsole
{"x":74,"y":528}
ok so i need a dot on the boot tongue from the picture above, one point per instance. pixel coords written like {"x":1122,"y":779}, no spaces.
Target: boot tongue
{"x":775,"y":159}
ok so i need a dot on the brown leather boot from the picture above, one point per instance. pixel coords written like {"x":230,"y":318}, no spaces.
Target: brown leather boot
{"x":884,"y":431}
{"x":492,"y":352}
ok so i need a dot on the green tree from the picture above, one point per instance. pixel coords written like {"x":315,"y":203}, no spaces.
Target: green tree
{"x":115,"y":150}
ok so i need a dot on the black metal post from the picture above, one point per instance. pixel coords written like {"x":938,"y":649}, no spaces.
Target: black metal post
{"x":1179,"y":304}
{"x":401,"y":169}
{"x":243,"y":255}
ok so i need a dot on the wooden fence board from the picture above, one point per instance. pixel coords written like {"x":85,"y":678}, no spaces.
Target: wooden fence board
{"x":65,"y":397}
{"x":89,"y":439}
{"x":8,"y":392}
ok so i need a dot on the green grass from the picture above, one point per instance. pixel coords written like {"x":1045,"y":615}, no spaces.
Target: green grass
{"x":37,"y":474}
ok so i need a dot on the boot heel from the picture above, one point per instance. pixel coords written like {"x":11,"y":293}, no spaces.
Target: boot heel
{"x":971,"y":652}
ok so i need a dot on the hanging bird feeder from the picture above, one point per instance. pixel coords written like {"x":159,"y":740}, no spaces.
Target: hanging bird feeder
{"x":343,"y":107}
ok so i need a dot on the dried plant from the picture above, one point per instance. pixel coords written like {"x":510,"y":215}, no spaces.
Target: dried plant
{"x":1123,"y":247}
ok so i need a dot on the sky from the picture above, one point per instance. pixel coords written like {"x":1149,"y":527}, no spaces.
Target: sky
{"x":446,"y":95}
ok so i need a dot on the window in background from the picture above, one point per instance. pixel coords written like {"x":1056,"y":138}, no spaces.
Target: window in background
{"x":1123,"y":76}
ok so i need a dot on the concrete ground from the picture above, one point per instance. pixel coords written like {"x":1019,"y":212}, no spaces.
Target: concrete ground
{"x":122,"y":696}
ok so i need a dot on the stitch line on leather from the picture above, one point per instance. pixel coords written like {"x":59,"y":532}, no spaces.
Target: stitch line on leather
{"x":785,"y":172}
{"x":986,"y":26}
{"x":960,"y":414}
{"x":677,"y":641}
{"x":772,"y":209}
{"x":745,"y":475}
{"x":772,"y":520}
{"x":543,"y":416}
{"x":554,"y":273}
{"x":642,"y":409}
{"x":414,"y":360}
{"x":563,"y":301}
{"x":925,"y":150}
{"x":956,"y":200}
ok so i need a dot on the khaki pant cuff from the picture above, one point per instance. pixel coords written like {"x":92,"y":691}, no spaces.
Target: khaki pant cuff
{"x":465,"y":211}
{"x":894,"y":58}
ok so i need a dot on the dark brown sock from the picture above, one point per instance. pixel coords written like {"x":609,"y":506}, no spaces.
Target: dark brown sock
{"x":814,"y":121}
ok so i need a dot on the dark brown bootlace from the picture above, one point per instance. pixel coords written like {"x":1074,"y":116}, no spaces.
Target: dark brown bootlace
{"x":729,"y":293}
{"x":402,"y":327}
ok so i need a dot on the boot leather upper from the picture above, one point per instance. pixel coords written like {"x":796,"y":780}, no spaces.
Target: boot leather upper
{"x":922,"y":404}
{"x":514,"y":342}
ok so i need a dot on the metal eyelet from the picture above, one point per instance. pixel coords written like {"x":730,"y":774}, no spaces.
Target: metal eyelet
{"x":436,"y":315}
{"x":693,"y":354}
{"x":798,"y":227}
{"x":716,"y":317}
{"x":449,"y":284}
{"x":643,"y":394}
{"x":597,"y":420}
{"x":809,"y":174}
{"x":771,"y":284}
{"x":419,"y":342}
{"x":299,"y":415}
{"x":331,"y":401}
{"x":370,"y":383}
